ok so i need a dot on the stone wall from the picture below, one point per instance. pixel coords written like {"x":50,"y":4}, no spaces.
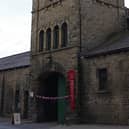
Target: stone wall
{"x":49,"y":15}
{"x":90,"y":23}
{"x":61,"y":64}
{"x":100,"y":19}
{"x":111,"y":106}
{"x":10,"y":81}
{"x":52,"y":15}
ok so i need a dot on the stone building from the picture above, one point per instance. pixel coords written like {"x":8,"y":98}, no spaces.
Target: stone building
{"x":14,"y":84}
{"x":89,"y":37}
{"x":106,"y":85}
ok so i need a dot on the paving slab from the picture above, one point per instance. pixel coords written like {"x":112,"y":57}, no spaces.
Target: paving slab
{"x":6,"y":124}
{"x":91,"y":127}
{"x":27,"y":126}
{"x":55,"y":126}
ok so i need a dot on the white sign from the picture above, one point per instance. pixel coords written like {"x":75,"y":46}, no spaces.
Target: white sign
{"x":17,"y":118}
{"x":31,"y":94}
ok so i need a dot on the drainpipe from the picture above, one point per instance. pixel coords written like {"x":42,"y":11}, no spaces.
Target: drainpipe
{"x":79,"y":61}
{"x":118,"y":11}
{"x":80,"y":25}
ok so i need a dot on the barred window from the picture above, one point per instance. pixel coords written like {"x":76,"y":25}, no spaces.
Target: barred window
{"x":102,"y":78}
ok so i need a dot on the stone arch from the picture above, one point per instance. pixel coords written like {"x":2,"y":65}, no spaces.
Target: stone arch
{"x":41,"y":40}
{"x":56,"y":37}
{"x":64,"y":34}
{"x":48,"y":39}
{"x":51,"y":83}
{"x":52,"y":66}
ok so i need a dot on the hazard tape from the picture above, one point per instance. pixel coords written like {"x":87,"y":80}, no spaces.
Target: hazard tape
{"x":51,"y":98}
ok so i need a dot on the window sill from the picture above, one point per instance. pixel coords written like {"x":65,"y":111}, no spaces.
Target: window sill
{"x":103,"y":92}
{"x":53,"y":50}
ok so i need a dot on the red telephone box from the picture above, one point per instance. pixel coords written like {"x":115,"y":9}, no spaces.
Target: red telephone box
{"x":71,"y":78}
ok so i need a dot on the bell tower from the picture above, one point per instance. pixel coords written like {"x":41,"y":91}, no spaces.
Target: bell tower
{"x":47,"y":14}
{"x":55,"y":39}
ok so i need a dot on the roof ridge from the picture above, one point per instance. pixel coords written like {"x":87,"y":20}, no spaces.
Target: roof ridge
{"x":15,"y":55}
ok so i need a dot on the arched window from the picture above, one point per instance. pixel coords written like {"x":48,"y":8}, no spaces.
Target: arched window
{"x":56,"y":37}
{"x":48,"y":39}
{"x":64,"y":35}
{"x":41,"y":40}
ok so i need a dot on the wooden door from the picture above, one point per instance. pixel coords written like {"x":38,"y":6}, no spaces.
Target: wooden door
{"x":62,"y":102}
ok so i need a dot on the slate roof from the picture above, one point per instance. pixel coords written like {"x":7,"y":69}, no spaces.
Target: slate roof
{"x":15,"y":61}
{"x":114,"y":44}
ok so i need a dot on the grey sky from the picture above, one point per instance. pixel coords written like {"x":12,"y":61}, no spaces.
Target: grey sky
{"x":15,"y":26}
{"x":127,"y":3}
{"x":15,"y":7}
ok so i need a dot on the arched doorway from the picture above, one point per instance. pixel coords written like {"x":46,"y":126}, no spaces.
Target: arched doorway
{"x":52,"y":84}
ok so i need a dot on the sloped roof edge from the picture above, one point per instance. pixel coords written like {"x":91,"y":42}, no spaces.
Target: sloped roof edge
{"x":15,"y":61}
{"x":117,"y":43}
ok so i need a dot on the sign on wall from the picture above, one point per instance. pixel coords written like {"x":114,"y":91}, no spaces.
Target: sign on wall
{"x":16,"y":119}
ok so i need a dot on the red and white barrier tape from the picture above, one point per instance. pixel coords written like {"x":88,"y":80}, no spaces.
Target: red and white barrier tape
{"x":51,"y":98}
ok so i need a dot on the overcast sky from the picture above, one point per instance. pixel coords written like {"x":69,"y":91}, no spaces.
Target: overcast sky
{"x":15,"y":26}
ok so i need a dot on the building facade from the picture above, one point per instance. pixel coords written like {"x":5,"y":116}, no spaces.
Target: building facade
{"x":77,"y":71}
{"x":66,"y":35}
{"x":14,"y":84}
{"x":105,"y":75}
{"x":55,"y":52}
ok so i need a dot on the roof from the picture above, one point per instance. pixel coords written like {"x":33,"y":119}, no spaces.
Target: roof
{"x":15,"y":61}
{"x":115,"y":43}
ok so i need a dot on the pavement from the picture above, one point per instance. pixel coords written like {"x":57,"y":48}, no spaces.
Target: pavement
{"x":90,"y":127}
{"x":6,"y":124}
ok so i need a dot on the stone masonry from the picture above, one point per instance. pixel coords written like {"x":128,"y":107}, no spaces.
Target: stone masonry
{"x":90,"y":24}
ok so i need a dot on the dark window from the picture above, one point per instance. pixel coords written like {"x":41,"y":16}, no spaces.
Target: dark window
{"x":2,"y":95}
{"x":64,"y":35}
{"x":17,"y":95}
{"x":26,"y":98}
{"x":102,"y":76}
{"x":48,"y":39}
{"x":56,"y":37}
{"x":128,"y":23}
{"x":41,"y":40}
